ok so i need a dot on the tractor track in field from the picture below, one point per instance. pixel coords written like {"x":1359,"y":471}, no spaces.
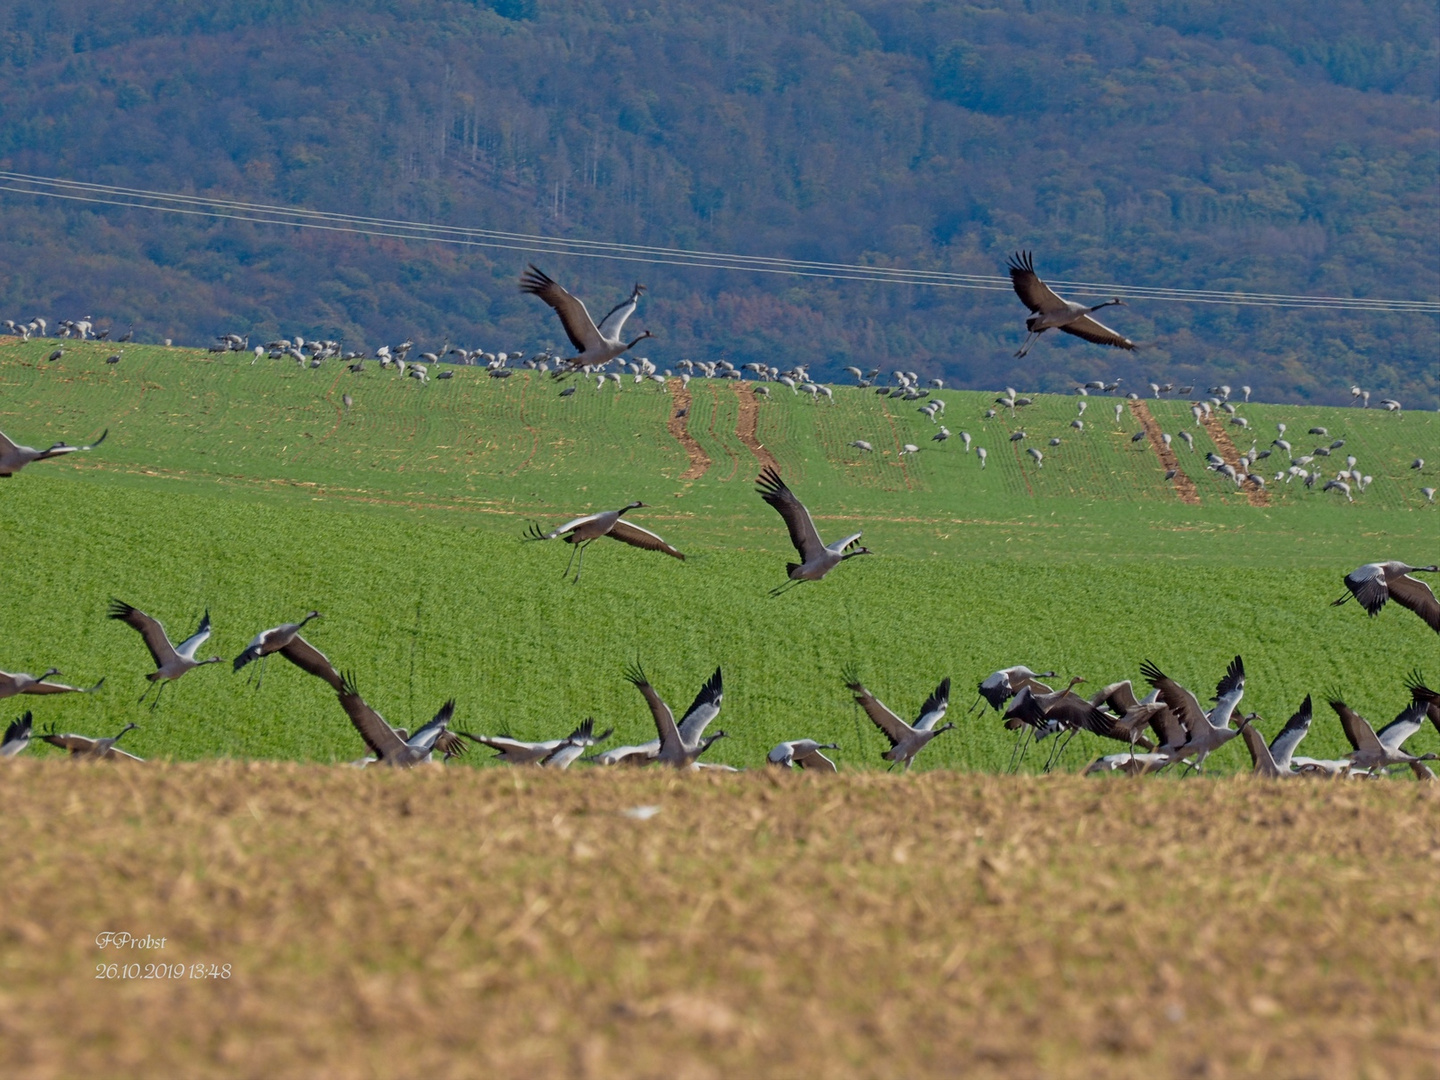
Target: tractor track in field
{"x":1184,"y":486}
{"x":748,"y":423}
{"x":534,"y":431}
{"x":1258,"y":496}
{"x":734,"y":458}
{"x":676,"y":423}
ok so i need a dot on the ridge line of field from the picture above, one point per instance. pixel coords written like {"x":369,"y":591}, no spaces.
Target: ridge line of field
{"x":1184,"y":486}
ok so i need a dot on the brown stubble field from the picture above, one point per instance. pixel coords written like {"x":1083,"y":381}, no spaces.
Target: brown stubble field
{"x":495,"y":922}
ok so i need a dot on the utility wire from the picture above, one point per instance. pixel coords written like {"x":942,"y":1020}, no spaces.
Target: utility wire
{"x":296,"y":217}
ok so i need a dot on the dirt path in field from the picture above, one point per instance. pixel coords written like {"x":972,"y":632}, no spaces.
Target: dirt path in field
{"x":734,"y":458}
{"x":748,"y":423}
{"x":534,"y":431}
{"x":699,"y":460}
{"x":1184,"y":486}
{"x":1258,"y":496}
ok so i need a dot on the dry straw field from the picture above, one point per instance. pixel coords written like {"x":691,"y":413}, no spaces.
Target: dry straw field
{"x":488,"y":923}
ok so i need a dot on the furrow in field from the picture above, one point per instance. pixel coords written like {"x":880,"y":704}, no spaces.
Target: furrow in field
{"x":677,"y":421}
{"x":1184,"y":486}
{"x":747,"y":422}
{"x":1218,"y":435}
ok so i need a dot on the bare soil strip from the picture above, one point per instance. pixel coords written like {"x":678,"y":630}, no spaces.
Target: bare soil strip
{"x":699,"y":460}
{"x":748,"y":422}
{"x":1257,"y":496}
{"x":324,"y":921}
{"x":734,"y":458}
{"x":1184,"y":486}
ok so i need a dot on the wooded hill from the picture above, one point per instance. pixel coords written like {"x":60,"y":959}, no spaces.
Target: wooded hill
{"x":1268,"y":146}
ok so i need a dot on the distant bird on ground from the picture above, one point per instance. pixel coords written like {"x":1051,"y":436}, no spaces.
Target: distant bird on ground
{"x":906,"y":740}
{"x":114,"y":358}
{"x":1429,"y":493}
{"x":17,"y":736}
{"x":583,"y":531}
{"x":1038,"y":456}
{"x":1016,"y":436}
{"x":1137,"y":436}
{"x":1052,"y":311}
{"x":674,"y":750}
{"x":1418,"y":463}
{"x":56,"y":355}
{"x":1375,"y":583}
{"x":82,"y":746}
{"x":596,"y":344}
{"x":803,"y":754}
{"x":390,"y":746}
{"x":170,"y":662}
{"x":276,"y":639}
{"x":908,"y":448}
{"x":517,"y":752}
{"x":861,"y":444}
{"x":816,"y":557}
{"x":567,"y":391}
{"x":14,"y":457}
{"x":981,"y":454}
{"x":21,"y":683}
{"x":347,"y":401}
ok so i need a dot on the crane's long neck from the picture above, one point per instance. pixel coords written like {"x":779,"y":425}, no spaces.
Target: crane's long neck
{"x":1107,"y":303}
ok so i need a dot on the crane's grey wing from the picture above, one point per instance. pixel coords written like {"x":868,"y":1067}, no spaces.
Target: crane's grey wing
{"x":1118,"y":696}
{"x":308,"y":658}
{"x":641,"y":538}
{"x":1368,"y":586}
{"x":614,"y":322}
{"x":17,"y":735}
{"x":156,"y":640}
{"x":76,"y":744}
{"x":933,"y":711}
{"x":58,"y":688}
{"x":1393,"y":735}
{"x":579,"y":327}
{"x":1284,"y":745}
{"x":1357,"y":729}
{"x":890,"y":725}
{"x":1091,"y":329}
{"x":817,"y":761}
{"x":1033,"y":293}
{"x":383,"y":740}
{"x":188,"y":647}
{"x":1260,"y":756}
{"x":1183,"y":704}
{"x":704,"y":709}
{"x":1414,"y":594}
{"x":797,"y":519}
{"x":60,"y":448}
{"x":6,"y":446}
{"x":664,"y":718}
{"x":429,"y":733}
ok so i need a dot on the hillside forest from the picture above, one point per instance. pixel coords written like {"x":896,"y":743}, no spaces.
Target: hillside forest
{"x":1188,"y":144}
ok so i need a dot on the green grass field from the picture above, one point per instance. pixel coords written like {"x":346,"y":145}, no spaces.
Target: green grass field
{"x":250,"y":489}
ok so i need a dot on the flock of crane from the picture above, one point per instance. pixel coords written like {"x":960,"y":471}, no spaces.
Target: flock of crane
{"x":1184,"y":732}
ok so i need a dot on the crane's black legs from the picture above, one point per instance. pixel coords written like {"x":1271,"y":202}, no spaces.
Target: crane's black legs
{"x":780,"y":590}
{"x":156,"y":703}
{"x":1060,"y":747}
{"x":1017,"y":756}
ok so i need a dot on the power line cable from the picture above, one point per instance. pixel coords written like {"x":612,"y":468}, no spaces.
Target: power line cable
{"x":296,"y":217}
